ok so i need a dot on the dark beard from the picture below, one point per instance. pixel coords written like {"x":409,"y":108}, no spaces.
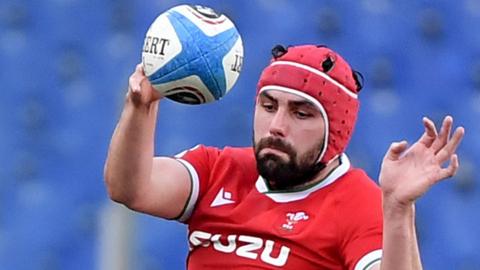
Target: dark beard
{"x":284,"y":175}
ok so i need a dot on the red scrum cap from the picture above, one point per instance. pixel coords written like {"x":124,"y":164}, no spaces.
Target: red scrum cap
{"x":323,"y":77}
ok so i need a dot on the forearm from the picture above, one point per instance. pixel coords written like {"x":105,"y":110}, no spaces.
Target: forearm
{"x":400,"y":248}
{"x":130,"y":156}
{"x":417,"y":262}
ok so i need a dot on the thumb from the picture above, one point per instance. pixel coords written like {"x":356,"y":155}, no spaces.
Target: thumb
{"x":396,"y":150}
{"x":149,"y":90}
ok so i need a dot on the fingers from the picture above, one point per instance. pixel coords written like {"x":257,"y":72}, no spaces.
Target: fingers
{"x":152,"y":94}
{"x":136,"y":78}
{"x":451,"y":170}
{"x":441,"y":144}
{"x":396,"y":150}
{"x":140,"y":89}
{"x":430,"y":133}
{"x":444,"y":135}
{"x":449,"y":149}
{"x":139,"y":69}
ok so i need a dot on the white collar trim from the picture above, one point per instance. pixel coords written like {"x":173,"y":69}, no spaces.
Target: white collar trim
{"x":299,"y":195}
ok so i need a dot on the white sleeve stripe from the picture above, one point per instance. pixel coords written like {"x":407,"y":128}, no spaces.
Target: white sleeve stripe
{"x":369,"y":260}
{"x":181,"y":154}
{"x":192,"y":199}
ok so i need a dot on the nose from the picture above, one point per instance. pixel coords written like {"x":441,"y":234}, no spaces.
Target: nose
{"x":279,"y":124}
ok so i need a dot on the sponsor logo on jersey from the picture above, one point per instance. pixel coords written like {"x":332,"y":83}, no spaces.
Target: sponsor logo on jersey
{"x":245,"y":246}
{"x":223,"y":197}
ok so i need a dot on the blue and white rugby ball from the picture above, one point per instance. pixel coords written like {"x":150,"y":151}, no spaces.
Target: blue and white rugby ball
{"x":192,"y":54}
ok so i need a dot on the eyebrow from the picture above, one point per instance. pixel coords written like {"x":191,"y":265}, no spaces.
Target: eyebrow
{"x":294,"y":103}
{"x":304,"y":103}
{"x":265,"y":94}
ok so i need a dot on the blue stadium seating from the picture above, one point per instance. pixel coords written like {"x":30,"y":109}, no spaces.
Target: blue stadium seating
{"x":64,"y":67}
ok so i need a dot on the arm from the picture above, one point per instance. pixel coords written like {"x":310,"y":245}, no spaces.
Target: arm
{"x":133,"y":176}
{"x":405,"y":176}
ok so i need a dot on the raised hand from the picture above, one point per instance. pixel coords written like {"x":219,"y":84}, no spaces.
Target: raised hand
{"x":407,"y":173}
{"x":140,"y":90}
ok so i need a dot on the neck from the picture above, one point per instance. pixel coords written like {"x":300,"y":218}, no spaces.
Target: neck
{"x":321,"y":175}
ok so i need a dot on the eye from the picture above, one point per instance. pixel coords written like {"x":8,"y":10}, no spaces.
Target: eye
{"x":302,"y":114}
{"x":268,"y":106}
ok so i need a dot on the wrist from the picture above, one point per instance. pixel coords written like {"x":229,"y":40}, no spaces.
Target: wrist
{"x":393,"y":206}
{"x":134,"y":103}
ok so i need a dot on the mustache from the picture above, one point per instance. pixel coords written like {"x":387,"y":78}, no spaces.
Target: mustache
{"x":274,"y":143}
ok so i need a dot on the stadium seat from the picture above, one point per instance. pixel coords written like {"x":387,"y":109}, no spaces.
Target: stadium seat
{"x":64,"y":68}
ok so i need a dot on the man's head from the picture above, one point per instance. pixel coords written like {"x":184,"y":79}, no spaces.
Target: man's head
{"x":305,"y":113}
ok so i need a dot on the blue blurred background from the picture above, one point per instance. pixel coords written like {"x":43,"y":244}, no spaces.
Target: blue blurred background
{"x":64,"y":66}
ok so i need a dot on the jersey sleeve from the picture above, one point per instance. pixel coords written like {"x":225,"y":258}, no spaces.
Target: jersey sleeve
{"x":362,"y":225}
{"x":199,"y":161}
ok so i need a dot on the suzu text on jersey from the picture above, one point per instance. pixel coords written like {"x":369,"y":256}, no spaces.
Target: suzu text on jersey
{"x":245,"y":246}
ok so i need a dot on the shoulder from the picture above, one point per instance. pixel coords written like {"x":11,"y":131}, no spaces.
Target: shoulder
{"x":229,"y":153}
{"x":213,"y":153}
{"x":357,"y":192}
{"x":358,"y":180}
{"x":206,"y":158}
{"x":347,"y":179}
{"x":241,"y":158}
{"x":246,"y":152}
{"x":213,"y":150}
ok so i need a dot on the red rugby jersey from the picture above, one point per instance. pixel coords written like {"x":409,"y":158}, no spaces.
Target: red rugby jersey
{"x":236,"y":222}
